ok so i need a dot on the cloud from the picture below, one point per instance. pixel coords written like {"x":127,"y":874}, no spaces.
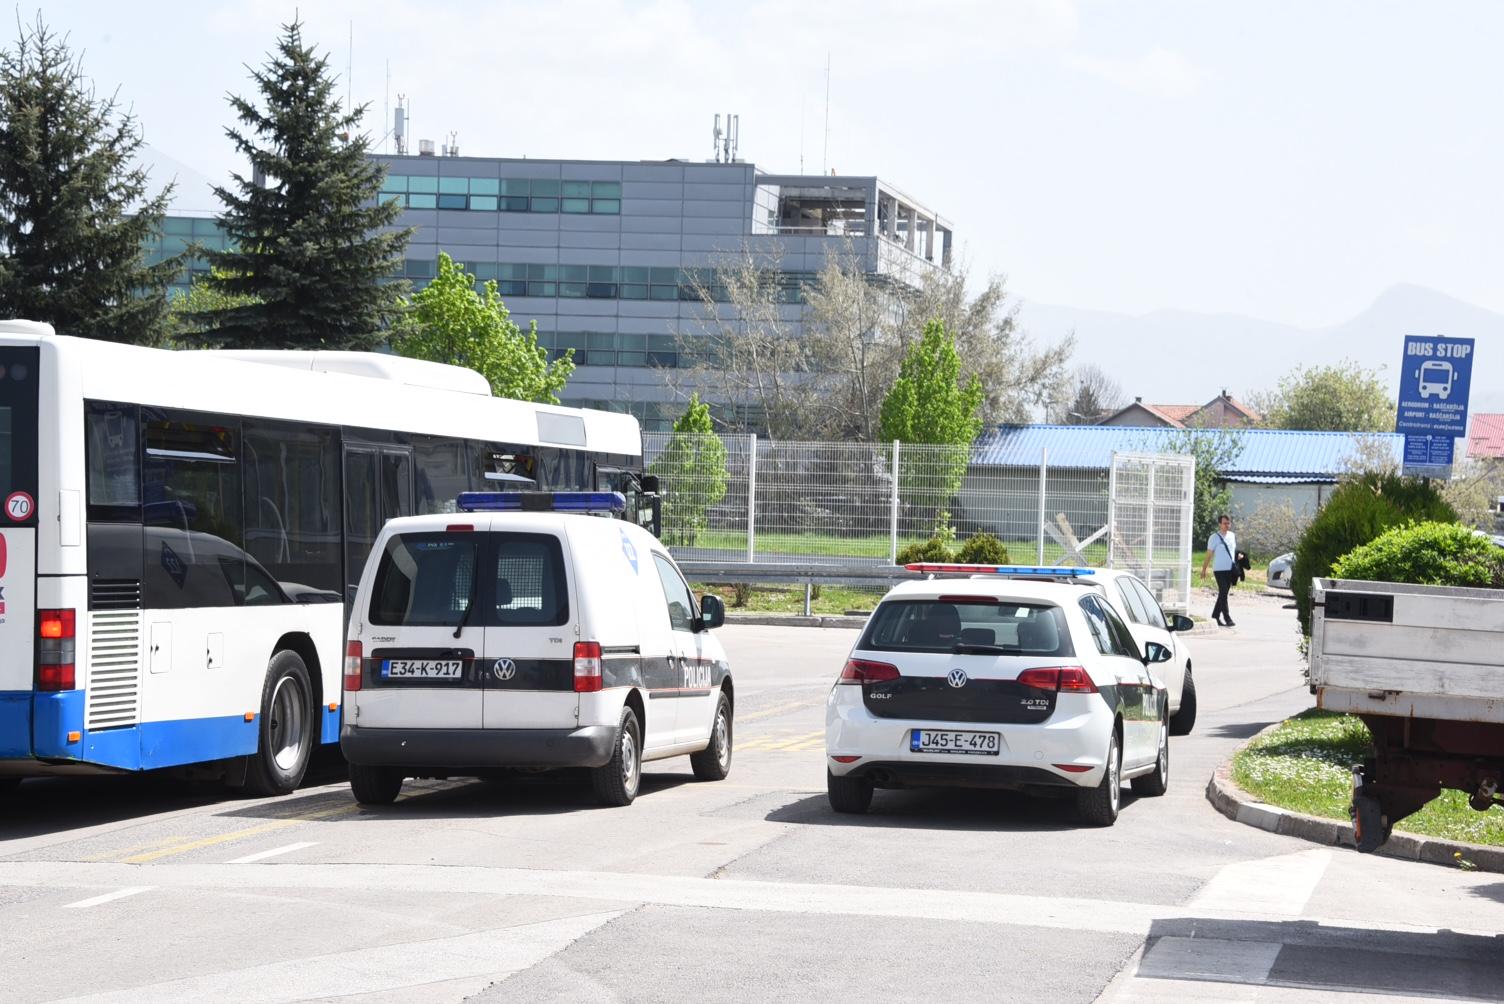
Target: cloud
{"x":1160,"y":72}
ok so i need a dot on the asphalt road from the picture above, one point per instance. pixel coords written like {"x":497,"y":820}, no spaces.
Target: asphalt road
{"x":751,"y":888}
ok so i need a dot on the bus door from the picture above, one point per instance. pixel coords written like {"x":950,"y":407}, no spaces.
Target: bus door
{"x":378,"y":487}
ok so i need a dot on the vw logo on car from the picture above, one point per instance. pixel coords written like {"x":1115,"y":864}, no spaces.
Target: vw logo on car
{"x":957,"y":677}
{"x":504,"y":669}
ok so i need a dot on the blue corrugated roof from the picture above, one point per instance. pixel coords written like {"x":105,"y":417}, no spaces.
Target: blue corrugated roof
{"x":1267,"y":452}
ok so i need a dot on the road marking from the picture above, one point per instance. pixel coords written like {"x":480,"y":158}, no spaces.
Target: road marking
{"x":1106,"y":916}
{"x":496,"y":954}
{"x":798,"y":740}
{"x":780,"y":709}
{"x":108,"y":897}
{"x":225,"y":838}
{"x":115,"y":854}
{"x":1279,"y":885}
{"x":274,"y":852}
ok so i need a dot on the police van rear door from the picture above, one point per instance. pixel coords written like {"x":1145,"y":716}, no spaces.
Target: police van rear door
{"x":531,"y":611}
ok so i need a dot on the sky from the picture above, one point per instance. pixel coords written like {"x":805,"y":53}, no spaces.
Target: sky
{"x":1282,"y":160}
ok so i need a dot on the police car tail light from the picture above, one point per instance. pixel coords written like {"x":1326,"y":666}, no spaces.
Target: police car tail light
{"x":587,"y":667}
{"x":860,"y":671}
{"x":55,"y":634}
{"x":353,"y":658}
{"x":1065,"y":679}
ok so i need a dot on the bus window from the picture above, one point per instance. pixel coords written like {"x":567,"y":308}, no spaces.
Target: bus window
{"x":442,"y":473}
{"x":113,"y":476}
{"x":191,"y":493}
{"x":292,"y":502}
{"x":362,"y":511}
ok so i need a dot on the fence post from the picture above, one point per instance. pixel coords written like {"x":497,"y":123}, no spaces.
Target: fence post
{"x":1112,"y":512}
{"x":1044,"y":464}
{"x":893,"y":521}
{"x":752,"y":499}
{"x":1149,"y":531}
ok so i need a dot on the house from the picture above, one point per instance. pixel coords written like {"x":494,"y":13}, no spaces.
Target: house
{"x":1272,"y":466}
{"x":1222,"y":412}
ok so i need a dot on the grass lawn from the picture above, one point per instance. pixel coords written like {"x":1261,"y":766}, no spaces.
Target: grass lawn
{"x":1306,"y":765}
{"x":857,"y":545}
{"x":790,"y":599}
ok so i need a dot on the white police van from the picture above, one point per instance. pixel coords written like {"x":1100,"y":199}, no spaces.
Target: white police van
{"x":526,"y":631}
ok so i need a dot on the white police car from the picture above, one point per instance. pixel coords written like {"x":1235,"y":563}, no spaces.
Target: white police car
{"x":1147,"y":621}
{"x":526,"y":632}
{"x":996,"y":681}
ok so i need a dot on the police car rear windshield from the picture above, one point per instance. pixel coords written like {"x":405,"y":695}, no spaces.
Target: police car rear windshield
{"x":973,"y":625}
{"x":502,"y":579}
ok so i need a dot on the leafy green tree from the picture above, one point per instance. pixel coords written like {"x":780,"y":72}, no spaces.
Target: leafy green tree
{"x":1214,"y":450}
{"x":74,"y":205}
{"x":1344,"y":397}
{"x":693,"y":471}
{"x":306,"y":228}
{"x":929,"y":404}
{"x":185,"y":310}
{"x":449,"y":322}
{"x":1360,"y":510}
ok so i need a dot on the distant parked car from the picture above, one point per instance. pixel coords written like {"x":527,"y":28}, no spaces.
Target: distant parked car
{"x":1281,"y":571}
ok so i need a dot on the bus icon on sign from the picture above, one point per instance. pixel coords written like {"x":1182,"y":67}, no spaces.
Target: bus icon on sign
{"x":19,"y":506}
{"x":1436,"y":378}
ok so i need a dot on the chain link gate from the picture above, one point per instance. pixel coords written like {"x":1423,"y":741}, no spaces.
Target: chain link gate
{"x":1150,"y":497}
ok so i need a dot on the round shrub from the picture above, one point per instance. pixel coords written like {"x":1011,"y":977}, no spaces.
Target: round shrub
{"x":1359,"y":511}
{"x":1427,"y":554}
{"x":982,"y":549}
{"x":933,"y":549}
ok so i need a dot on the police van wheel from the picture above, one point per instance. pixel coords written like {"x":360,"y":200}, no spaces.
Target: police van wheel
{"x":375,"y":785}
{"x":616,"y":781}
{"x":284,"y":729}
{"x":713,"y":762}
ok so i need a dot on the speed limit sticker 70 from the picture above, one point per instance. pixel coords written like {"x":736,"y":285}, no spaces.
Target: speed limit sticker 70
{"x":19,"y":506}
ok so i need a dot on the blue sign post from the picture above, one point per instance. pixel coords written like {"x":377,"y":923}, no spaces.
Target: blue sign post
{"x":1435,"y":377}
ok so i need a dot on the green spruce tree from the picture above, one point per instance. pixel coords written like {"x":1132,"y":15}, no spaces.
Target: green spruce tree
{"x":308,"y":254}
{"x":74,"y":208}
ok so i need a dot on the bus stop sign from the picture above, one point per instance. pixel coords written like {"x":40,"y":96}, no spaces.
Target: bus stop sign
{"x":1434,"y":378}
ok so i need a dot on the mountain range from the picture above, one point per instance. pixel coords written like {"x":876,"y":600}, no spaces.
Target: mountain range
{"x":1183,"y":357}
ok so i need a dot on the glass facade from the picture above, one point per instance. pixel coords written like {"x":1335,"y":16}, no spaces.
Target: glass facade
{"x":606,"y":282}
{"x":504,"y":195}
{"x":177,"y":234}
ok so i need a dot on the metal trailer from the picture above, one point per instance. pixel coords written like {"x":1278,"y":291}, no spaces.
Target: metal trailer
{"x":1423,"y":667}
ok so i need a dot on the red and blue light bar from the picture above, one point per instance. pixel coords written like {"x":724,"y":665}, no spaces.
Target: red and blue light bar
{"x":1012,"y":571}
{"x":589,"y":502}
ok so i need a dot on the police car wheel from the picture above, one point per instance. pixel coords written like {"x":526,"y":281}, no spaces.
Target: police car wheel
{"x":284,"y":729}
{"x":848,"y":794}
{"x":616,"y":781}
{"x":375,"y":785}
{"x":713,"y":762}
{"x":1185,"y":718}
{"x":1099,"y":806}
{"x":1157,"y":783}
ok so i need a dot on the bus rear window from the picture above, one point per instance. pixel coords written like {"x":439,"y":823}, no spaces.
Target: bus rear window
{"x":18,"y":431}
{"x":503,"y":579}
{"x":1011,"y":628}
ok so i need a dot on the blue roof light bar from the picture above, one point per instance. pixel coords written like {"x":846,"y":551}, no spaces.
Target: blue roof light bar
{"x":1011,"y":571}
{"x":588,"y":502}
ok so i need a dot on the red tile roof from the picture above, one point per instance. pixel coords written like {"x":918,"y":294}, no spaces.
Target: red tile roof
{"x":1486,"y":436}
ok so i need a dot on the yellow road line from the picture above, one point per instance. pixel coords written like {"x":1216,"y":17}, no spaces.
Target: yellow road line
{"x":780,"y":709}
{"x":224,"y":838}
{"x":111,"y":855}
{"x":797,"y":740}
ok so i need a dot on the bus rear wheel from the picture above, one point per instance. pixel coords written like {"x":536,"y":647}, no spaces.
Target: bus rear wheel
{"x":285,"y":728}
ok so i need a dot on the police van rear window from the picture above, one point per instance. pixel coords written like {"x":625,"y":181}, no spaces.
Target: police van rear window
{"x":977,"y":625}
{"x":501,"y":579}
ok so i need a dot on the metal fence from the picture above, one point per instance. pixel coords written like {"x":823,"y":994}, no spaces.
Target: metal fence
{"x":743,"y":499}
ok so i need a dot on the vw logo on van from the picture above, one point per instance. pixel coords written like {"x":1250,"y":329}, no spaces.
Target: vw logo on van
{"x":957,"y":677}
{"x":504,"y":669}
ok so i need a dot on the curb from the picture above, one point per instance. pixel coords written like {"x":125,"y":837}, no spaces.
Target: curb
{"x":796,"y":620}
{"x":1239,"y":806}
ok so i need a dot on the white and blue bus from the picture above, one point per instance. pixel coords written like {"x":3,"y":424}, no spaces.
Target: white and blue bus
{"x":181,"y":531}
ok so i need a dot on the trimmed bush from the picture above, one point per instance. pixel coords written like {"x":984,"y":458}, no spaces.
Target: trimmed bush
{"x":1427,"y":554}
{"x":933,"y":549}
{"x":1358,"y":512}
{"x":982,"y":549}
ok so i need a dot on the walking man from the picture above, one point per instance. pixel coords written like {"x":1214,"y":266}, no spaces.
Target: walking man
{"x":1220,"y":550}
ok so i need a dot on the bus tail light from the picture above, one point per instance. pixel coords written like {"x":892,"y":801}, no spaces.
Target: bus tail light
{"x":353,"y":660}
{"x":587,"y":667}
{"x":56,"y":631}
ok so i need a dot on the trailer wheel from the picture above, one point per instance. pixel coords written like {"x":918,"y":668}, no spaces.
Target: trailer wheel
{"x":1369,"y":831}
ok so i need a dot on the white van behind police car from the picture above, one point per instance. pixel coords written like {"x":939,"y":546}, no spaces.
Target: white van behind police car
{"x":526,"y":632}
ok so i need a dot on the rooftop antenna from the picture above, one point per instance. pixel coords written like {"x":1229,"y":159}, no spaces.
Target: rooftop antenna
{"x":715,"y":139}
{"x":802,"y":99}
{"x":453,"y":150}
{"x":728,"y":140}
{"x":399,"y":126}
{"x":825,"y":153}
{"x":386,"y":104}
